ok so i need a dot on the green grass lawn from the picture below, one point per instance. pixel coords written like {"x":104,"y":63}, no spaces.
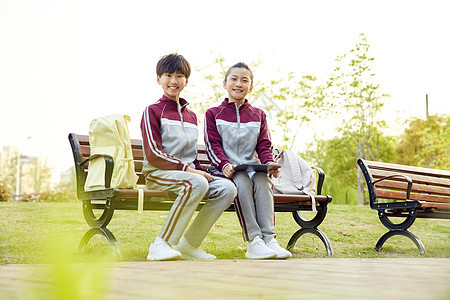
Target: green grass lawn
{"x":36,"y":232}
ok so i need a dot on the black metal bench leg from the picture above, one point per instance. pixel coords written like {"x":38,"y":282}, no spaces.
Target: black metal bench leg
{"x":314,"y":231}
{"x":103,"y":220}
{"x":406,"y":233}
{"x":101,"y":231}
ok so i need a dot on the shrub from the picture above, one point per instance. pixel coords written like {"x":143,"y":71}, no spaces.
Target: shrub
{"x":5,"y":193}
{"x":58,"y":195}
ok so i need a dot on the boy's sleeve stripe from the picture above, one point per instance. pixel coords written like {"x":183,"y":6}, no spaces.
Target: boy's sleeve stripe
{"x":152,"y":143}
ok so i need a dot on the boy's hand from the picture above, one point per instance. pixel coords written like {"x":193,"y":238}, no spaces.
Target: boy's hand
{"x":228,"y":171}
{"x":275,"y":173}
{"x":208,"y":176}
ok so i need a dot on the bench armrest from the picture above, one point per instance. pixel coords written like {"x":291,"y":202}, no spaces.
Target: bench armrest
{"x":109,"y":166}
{"x":408,"y":189}
{"x":320,"y":180}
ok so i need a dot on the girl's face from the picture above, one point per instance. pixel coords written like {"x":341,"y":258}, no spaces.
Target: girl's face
{"x":238,"y":84}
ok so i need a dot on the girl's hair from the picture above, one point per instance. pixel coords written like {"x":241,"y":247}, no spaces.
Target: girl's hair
{"x":171,"y":63}
{"x":239,"y":65}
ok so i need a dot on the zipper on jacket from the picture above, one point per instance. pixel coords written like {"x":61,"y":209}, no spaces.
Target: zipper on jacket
{"x":182,"y":124}
{"x":238,"y":121}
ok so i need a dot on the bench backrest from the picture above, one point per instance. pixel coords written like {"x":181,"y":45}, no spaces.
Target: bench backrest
{"x":82,"y":150}
{"x":430,"y":186}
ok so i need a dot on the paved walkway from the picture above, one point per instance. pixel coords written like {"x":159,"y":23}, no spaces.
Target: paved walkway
{"x":327,"y":278}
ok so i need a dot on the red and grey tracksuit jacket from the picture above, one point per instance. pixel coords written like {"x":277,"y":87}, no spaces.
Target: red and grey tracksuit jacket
{"x":169,"y":134}
{"x":236,"y":135}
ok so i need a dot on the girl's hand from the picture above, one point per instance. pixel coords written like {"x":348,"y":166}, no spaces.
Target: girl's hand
{"x":228,"y":171}
{"x":208,"y":176}
{"x":275,"y":173}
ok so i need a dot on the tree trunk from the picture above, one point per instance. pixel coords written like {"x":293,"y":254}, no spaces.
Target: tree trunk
{"x":361,"y":200}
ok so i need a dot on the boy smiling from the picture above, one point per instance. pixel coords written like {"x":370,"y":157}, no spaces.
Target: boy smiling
{"x":169,"y":134}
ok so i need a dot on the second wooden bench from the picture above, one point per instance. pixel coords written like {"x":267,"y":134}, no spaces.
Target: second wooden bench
{"x":406,"y":192}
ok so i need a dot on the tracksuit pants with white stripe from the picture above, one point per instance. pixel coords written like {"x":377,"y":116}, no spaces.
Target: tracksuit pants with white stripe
{"x":254,"y":205}
{"x":191,"y":189}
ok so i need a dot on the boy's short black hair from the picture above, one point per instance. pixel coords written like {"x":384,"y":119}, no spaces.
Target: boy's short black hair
{"x":171,"y":63}
{"x":239,"y":65}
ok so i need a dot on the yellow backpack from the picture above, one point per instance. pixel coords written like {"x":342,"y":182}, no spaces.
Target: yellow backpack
{"x":109,"y":135}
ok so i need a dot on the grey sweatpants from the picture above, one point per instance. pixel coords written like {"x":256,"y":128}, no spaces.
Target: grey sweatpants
{"x":254,"y":205}
{"x":191,"y":189}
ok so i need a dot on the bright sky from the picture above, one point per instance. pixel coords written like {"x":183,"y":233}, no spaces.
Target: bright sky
{"x":64,"y":63}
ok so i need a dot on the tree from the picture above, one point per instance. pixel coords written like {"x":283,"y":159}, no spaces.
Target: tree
{"x":357,"y":100}
{"x":8,"y":174}
{"x":426,"y":143}
{"x":339,"y":163}
{"x":299,"y":99}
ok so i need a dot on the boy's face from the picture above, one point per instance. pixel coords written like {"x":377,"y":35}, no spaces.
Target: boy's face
{"x":238,"y":84}
{"x":172,"y":84}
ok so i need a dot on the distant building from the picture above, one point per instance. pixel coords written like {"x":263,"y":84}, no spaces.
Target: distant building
{"x":6,"y":156}
{"x":34,"y":173}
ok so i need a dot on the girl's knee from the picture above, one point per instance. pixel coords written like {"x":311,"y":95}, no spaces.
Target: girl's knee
{"x":223,"y":188}
{"x":260,"y":176}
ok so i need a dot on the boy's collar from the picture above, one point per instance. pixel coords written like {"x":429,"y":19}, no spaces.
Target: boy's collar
{"x":182,"y":101}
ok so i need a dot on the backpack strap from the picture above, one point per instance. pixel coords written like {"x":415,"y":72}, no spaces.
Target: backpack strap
{"x":295,"y":168}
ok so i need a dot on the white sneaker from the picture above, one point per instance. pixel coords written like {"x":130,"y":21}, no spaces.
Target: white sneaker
{"x":189,"y":252}
{"x":281,"y":252}
{"x":161,"y":250}
{"x":257,"y":249}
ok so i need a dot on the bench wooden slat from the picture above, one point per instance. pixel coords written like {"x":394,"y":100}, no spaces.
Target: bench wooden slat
{"x":439,"y":181}
{"x":285,"y":198}
{"x":135,"y":143}
{"x":437,"y":206}
{"x":132,"y":194}
{"x":85,"y":151}
{"x":83,"y":139}
{"x":203,"y":158}
{"x":125,"y":194}
{"x":396,"y":168}
{"x":420,"y":188}
{"x":395,"y":195}
{"x":138,"y":153}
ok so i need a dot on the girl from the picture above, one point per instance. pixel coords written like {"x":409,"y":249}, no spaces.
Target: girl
{"x":235,"y":133}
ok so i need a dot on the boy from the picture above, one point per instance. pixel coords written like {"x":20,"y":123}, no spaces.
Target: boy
{"x":169,"y":133}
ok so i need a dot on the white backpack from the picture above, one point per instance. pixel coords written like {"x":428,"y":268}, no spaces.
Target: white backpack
{"x":296,"y":176}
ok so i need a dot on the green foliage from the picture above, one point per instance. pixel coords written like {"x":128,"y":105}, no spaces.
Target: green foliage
{"x":8,"y":174}
{"x":299,"y":100}
{"x":5,"y":193}
{"x":211,"y":86}
{"x":425,"y":143}
{"x":353,"y":93}
{"x":338,"y":161}
{"x":357,"y":100}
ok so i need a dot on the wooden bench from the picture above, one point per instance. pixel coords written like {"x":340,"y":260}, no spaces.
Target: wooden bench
{"x":408,"y":192}
{"x":99,"y":205}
